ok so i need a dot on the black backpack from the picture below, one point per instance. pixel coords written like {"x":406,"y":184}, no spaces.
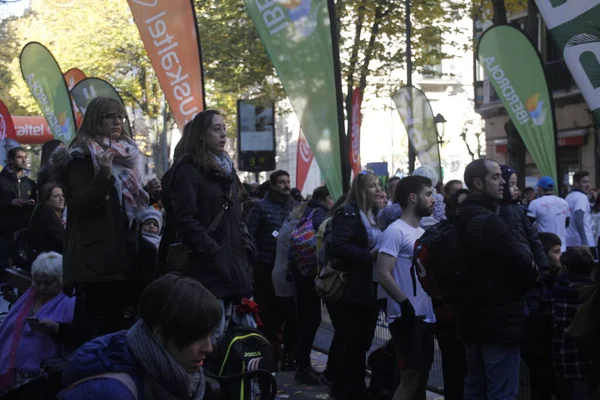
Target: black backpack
{"x":244,"y":365}
{"x":439,"y":261}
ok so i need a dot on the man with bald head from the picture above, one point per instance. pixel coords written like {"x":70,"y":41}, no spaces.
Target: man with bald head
{"x":499,"y":270}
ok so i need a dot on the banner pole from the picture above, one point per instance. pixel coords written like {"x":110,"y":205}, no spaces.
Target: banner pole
{"x":200,"y":56}
{"x":345,"y":162}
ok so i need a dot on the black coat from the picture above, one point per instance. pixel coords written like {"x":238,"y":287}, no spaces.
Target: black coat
{"x":501,"y":270}
{"x":99,"y":246}
{"x":265,"y":218}
{"x":349,"y":250}
{"x":11,"y":187}
{"x":46,"y":231}
{"x":219,"y":259}
{"x":169,"y":232}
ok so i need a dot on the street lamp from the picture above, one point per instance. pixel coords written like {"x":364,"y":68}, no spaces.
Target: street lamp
{"x":440,"y":126}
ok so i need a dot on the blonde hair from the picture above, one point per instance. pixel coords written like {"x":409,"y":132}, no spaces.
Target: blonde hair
{"x":358,"y":191}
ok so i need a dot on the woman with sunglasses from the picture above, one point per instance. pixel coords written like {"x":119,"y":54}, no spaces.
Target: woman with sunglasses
{"x":105,"y":196}
{"x":352,"y":249}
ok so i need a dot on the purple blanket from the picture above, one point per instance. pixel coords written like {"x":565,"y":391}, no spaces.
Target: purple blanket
{"x":21,"y":348}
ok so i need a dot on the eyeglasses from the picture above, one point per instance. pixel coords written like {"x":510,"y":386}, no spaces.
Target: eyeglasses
{"x":116,"y":117}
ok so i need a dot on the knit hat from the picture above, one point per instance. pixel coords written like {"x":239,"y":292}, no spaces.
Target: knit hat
{"x":506,"y":174}
{"x":152,"y":213}
{"x":427,"y":171}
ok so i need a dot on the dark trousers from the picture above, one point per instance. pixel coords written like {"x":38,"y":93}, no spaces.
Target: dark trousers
{"x":100,"y":310}
{"x":286,"y":310}
{"x":264,"y":295}
{"x":308,"y":311}
{"x":354,"y":333}
{"x":454,"y":366}
{"x":333,"y":370}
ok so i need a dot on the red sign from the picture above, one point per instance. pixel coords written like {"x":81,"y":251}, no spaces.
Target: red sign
{"x":304,"y":159}
{"x":354,"y":148}
{"x":72,"y":78}
{"x":7,"y":127}
{"x":32,"y":130}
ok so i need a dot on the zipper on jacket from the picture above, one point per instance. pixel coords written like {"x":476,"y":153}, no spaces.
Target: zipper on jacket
{"x":18,"y":188}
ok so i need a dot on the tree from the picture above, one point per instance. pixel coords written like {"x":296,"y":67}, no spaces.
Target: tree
{"x":8,"y":51}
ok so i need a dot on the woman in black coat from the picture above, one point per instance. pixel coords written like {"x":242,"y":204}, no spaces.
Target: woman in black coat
{"x":352,"y":249}
{"x":105,"y":195}
{"x":46,"y":229}
{"x":204,"y":185}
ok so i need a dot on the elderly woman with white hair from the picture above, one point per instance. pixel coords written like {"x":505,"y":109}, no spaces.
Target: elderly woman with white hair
{"x":35,"y":328}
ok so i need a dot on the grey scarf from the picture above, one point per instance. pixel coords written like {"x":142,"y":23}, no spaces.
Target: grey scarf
{"x":224,"y":162}
{"x":164,"y":378}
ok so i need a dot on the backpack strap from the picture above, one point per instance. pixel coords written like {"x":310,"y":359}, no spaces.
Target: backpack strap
{"x":122,"y":377}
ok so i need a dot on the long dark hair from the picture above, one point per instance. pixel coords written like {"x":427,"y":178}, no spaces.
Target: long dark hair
{"x":194,"y":144}
{"x":179,"y":150}
{"x":48,"y":148}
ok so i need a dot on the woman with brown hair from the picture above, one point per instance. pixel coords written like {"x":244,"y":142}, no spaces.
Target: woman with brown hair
{"x":46,"y":228}
{"x":105,"y":195}
{"x":206,"y":193}
{"x":352,"y":249}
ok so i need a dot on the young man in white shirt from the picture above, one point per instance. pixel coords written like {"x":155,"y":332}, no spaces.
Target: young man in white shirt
{"x":411,"y":318}
{"x":579,"y":232}
{"x":550,"y":212}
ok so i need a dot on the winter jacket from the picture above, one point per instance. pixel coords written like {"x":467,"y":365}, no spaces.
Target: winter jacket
{"x":349,"y":250}
{"x":106,"y":354}
{"x":500,"y":270}
{"x":264,"y":222}
{"x":516,"y":218}
{"x":169,"y":232}
{"x":219,"y":259}
{"x":320,"y":212}
{"x":46,"y":231}
{"x":100,"y":246}
{"x":12,"y":187}
{"x":571,"y":359}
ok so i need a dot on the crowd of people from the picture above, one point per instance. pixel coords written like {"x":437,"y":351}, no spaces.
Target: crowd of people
{"x":107,"y":296}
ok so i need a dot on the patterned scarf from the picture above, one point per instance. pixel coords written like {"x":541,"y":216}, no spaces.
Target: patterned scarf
{"x":128,"y":180}
{"x":224,"y":162}
{"x":164,"y":378}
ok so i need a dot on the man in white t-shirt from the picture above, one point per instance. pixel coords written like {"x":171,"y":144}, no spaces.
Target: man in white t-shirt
{"x":411,"y":318}
{"x":579,"y":232}
{"x":550,"y":212}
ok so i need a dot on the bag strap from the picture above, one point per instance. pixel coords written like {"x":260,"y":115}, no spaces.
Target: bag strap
{"x":122,"y":377}
{"x":224,"y":208}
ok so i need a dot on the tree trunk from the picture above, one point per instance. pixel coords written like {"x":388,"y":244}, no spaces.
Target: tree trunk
{"x":516,"y":152}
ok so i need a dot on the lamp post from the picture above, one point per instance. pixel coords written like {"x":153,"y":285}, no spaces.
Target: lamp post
{"x":440,"y":126}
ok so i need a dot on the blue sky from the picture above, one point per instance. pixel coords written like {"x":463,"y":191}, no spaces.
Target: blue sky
{"x":13,"y":8}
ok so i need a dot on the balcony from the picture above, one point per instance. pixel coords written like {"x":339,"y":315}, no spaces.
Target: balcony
{"x":558,"y":77}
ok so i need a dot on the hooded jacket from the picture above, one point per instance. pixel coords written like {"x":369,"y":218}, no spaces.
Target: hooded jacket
{"x":264,"y":222}
{"x":501,"y":270}
{"x":12,"y":187}
{"x":219,"y":259}
{"x":106,"y":354}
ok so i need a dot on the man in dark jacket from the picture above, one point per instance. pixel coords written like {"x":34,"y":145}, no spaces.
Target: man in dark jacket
{"x":501,"y":269}
{"x":264,"y":222}
{"x":18,"y":194}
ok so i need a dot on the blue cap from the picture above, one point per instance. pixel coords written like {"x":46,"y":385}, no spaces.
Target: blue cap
{"x":546,"y":183}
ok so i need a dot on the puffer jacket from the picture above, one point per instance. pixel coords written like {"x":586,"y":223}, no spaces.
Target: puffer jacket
{"x":264,"y":222}
{"x":349,"y":252}
{"x":103,"y":355}
{"x":501,"y":270}
{"x":12,"y":187}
